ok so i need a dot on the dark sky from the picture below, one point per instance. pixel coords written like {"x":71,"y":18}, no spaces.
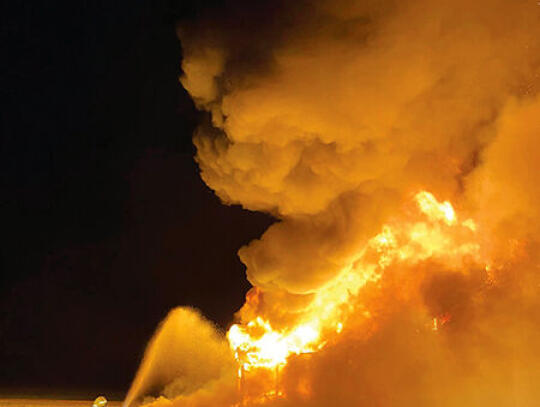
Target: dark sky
{"x":105,"y":222}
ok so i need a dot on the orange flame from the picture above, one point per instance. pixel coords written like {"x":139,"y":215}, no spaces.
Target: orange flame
{"x":435,"y":233}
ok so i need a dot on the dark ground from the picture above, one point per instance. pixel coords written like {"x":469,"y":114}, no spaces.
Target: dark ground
{"x":105,"y":222}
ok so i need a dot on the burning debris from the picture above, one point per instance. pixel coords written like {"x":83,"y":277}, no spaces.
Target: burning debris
{"x":396,"y":146}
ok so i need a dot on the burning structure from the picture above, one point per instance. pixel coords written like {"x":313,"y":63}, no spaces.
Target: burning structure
{"x":397,"y":145}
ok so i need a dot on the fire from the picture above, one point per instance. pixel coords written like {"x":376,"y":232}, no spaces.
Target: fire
{"x":439,"y":321}
{"x":435,"y":210}
{"x":271,"y":348}
{"x":434,"y":231}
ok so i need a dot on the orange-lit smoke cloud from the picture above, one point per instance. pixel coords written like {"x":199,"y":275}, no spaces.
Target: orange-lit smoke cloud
{"x":330,"y":115}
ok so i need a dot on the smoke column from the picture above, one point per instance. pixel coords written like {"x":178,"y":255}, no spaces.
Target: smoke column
{"x":331,"y":115}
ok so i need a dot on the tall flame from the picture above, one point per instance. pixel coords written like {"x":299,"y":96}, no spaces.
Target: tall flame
{"x":435,"y":232}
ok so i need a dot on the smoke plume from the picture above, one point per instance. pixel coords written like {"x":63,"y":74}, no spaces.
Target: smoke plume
{"x":331,"y":115}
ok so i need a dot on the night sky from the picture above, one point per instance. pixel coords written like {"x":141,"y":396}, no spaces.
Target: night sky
{"x":106,"y":224}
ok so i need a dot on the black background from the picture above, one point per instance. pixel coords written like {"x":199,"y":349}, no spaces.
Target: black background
{"x":106,"y":224}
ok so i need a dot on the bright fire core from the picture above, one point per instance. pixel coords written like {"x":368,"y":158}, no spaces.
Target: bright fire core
{"x":431,"y":230}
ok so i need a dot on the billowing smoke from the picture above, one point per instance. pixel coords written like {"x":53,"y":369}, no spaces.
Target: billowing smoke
{"x":330,"y":115}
